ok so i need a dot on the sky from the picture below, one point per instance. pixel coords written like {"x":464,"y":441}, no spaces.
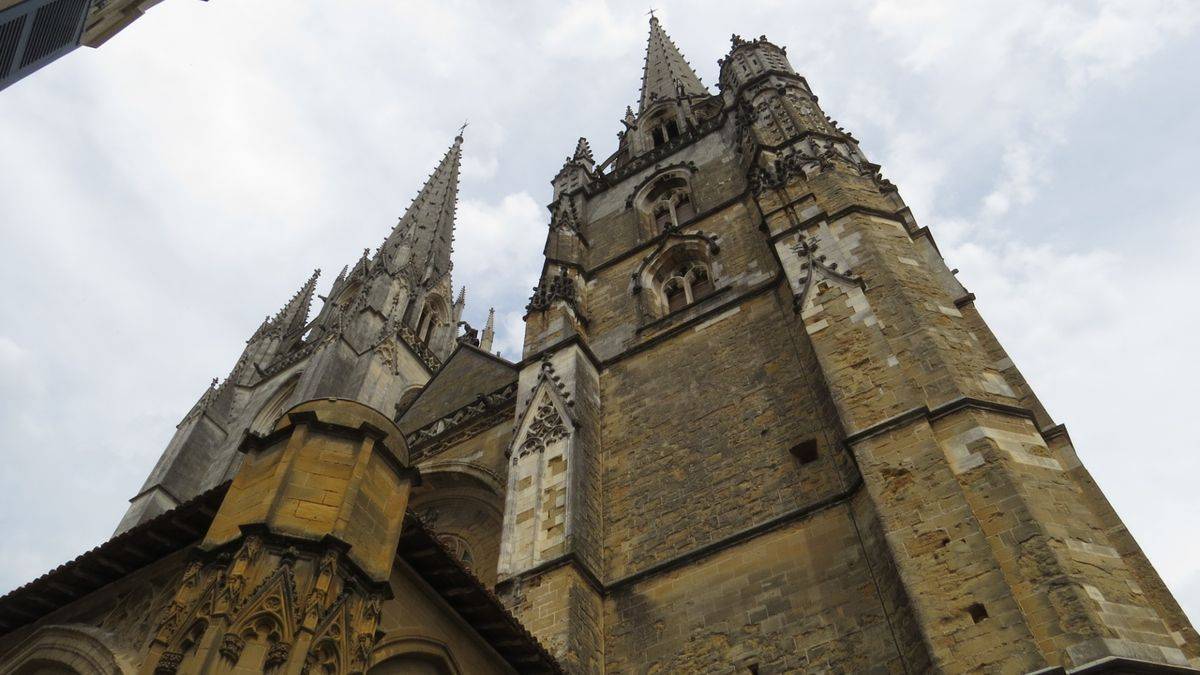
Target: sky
{"x":162,"y":194}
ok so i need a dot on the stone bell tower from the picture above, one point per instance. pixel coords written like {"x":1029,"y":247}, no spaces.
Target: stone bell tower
{"x":760,"y":423}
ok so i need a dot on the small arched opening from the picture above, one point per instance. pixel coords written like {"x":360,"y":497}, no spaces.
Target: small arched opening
{"x":679,"y":276}
{"x":434,"y":314}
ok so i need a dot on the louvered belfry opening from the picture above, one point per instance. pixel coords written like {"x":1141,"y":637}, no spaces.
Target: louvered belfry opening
{"x":35,"y":32}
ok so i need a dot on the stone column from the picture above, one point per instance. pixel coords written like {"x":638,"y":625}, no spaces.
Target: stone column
{"x":550,"y":546}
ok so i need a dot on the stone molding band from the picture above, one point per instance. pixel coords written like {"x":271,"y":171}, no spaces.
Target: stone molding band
{"x":950,"y":407}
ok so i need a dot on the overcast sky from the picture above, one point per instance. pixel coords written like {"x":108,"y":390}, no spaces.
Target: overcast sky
{"x":162,"y":194}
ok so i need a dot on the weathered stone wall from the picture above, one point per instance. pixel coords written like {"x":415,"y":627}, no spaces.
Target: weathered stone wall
{"x":565,"y":612}
{"x":697,"y":434}
{"x":462,"y":494}
{"x":613,"y":228}
{"x":801,"y":598}
{"x":621,"y":318}
{"x":1006,"y":562}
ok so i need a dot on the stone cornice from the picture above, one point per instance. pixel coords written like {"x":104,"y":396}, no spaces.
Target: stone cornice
{"x":950,"y":407}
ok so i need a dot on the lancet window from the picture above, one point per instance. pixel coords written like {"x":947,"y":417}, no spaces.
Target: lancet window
{"x":681,"y":272}
{"x":432,"y":316}
{"x":686,"y":284}
{"x":665,"y":132}
{"x":669,"y":202}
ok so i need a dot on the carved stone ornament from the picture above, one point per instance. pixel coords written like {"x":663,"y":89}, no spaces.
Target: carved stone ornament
{"x":552,"y":289}
{"x":815,"y":263}
{"x":168,"y":663}
{"x":484,"y":404}
{"x":470,"y":335}
{"x":231,"y":647}
{"x":191,"y":574}
{"x":389,"y":355}
{"x":231,"y":594}
{"x":419,"y":348}
{"x":277,"y":655}
{"x":365,"y":633}
{"x":171,"y":619}
{"x":547,"y":427}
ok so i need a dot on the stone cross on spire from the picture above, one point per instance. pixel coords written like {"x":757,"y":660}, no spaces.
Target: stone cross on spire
{"x":421,"y":241}
{"x":667,"y":74}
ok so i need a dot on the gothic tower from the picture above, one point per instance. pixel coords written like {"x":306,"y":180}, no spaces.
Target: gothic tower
{"x":757,"y":426}
{"x":761,"y":425}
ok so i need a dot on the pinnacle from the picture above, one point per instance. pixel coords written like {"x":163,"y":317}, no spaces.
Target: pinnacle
{"x":489,"y":331}
{"x":294,"y":314}
{"x":583,"y":151}
{"x":666,"y":75}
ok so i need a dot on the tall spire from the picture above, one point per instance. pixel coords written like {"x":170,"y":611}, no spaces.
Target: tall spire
{"x":666,"y":75}
{"x":426,"y":229}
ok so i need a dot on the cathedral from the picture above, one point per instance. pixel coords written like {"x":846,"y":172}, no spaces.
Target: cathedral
{"x":757,"y":426}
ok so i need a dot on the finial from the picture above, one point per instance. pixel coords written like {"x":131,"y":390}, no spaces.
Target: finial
{"x":651,"y":14}
{"x":583,"y":151}
{"x":462,"y":128}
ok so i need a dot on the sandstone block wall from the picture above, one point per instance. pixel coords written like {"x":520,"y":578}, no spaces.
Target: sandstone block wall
{"x":801,"y":598}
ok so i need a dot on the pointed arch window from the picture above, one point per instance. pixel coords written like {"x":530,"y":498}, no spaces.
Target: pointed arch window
{"x":680,"y":273}
{"x":687,"y":283}
{"x":669,"y":202}
{"x":458,"y":547}
{"x":431,"y":318}
{"x":665,"y":132}
{"x":663,"y":126}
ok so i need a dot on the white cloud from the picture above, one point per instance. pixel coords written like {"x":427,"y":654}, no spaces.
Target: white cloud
{"x":590,"y":30}
{"x":497,"y":254}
